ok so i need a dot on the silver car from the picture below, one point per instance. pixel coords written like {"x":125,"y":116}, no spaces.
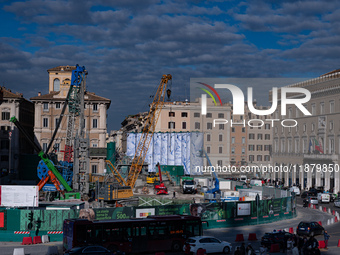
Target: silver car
{"x":313,"y":200}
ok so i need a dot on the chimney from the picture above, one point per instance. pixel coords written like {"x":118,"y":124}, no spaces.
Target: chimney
{"x":39,"y":94}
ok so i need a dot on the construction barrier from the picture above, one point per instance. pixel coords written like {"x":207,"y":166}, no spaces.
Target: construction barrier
{"x":37,"y":239}
{"x":252,"y":237}
{"x":27,"y":240}
{"x":19,"y":251}
{"x":201,"y":252}
{"x":275,"y":248}
{"x":322,"y":244}
{"x":239,"y":238}
{"x":291,"y":230}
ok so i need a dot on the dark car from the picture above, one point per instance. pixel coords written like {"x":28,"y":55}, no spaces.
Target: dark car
{"x":91,"y":249}
{"x":314,"y":191}
{"x":306,"y":194}
{"x":275,"y":238}
{"x":309,"y":229}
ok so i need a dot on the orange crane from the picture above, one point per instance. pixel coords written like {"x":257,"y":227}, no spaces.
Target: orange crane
{"x":148,"y":130}
{"x":125,"y":186}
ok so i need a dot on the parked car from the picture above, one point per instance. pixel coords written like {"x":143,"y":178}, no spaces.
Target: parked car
{"x":333,"y":197}
{"x":306,"y":194}
{"x":309,"y":228}
{"x":314,"y":191}
{"x":296,"y":190}
{"x":313,"y":200}
{"x":275,"y":238}
{"x":337,"y":203}
{"x":91,"y":249}
{"x":208,"y":243}
{"x":324,"y":197}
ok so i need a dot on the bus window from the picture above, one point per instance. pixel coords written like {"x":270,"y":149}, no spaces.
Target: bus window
{"x":143,"y":231}
{"x":115,"y":236}
{"x":98,"y":234}
{"x":126,"y":233}
{"x":106,"y":235}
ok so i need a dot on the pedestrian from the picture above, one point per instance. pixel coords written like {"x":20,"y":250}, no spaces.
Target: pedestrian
{"x":238,"y":251}
{"x":295,"y":250}
{"x":263,"y":249}
{"x":289,"y":246}
{"x":326,"y":237}
{"x":243,"y":249}
{"x":250,"y":250}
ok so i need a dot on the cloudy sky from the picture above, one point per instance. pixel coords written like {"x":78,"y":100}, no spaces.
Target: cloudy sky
{"x":127,"y":45}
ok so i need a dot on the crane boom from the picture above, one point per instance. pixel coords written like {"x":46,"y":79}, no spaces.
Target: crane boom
{"x":148,"y":130}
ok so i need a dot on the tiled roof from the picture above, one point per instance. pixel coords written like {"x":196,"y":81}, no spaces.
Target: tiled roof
{"x":334,"y":71}
{"x":7,"y":93}
{"x":91,"y":97}
{"x":49,"y":96}
{"x":62,"y":68}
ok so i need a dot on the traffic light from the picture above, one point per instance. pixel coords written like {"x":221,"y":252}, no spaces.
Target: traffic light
{"x":30,"y":216}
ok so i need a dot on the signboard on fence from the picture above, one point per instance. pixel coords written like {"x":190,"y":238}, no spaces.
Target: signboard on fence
{"x":145,"y":212}
{"x":243,"y":209}
{"x":19,"y":196}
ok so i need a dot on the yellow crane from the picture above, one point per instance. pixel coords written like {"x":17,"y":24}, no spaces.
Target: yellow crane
{"x":148,"y":130}
{"x":126,"y":186}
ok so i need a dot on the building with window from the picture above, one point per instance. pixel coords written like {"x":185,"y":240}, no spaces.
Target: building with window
{"x":48,"y":108}
{"x":186,"y":117}
{"x":13,"y":144}
{"x":310,"y":150}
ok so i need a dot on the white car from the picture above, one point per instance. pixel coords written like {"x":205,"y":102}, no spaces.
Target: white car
{"x":296,"y":190}
{"x":208,"y":243}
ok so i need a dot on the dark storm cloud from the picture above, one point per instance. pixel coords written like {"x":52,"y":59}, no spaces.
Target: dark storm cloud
{"x":127,"y":45}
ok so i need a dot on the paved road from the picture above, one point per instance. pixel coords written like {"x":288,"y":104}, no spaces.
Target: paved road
{"x":227,"y":234}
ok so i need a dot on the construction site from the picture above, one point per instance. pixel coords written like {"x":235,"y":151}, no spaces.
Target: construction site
{"x":151,"y":174}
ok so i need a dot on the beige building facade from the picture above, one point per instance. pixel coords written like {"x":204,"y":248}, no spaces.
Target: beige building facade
{"x":187,"y":117}
{"x":13,"y":144}
{"x":309,"y":152}
{"x":48,"y":108}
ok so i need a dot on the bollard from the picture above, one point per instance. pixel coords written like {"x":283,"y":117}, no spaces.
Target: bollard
{"x":320,"y":223}
{"x":18,"y":251}
{"x":339,"y":243}
{"x":27,"y":240}
{"x":239,"y":238}
{"x":328,"y":222}
{"x":332,"y":221}
{"x":291,"y":230}
{"x":333,"y":212}
{"x":324,"y":209}
{"x":45,"y":239}
{"x":252,"y":237}
{"x":329,"y":210}
{"x":336,"y":219}
{"x":37,"y":239}
{"x":320,"y":208}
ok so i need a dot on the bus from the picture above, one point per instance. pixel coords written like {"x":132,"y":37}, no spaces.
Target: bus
{"x":151,"y":234}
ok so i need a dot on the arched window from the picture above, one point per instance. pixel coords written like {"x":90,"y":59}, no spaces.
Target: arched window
{"x":56,"y":84}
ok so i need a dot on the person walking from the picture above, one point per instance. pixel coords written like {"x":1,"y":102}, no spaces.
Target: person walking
{"x":295,"y":250}
{"x":326,"y":237}
{"x":243,"y":249}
